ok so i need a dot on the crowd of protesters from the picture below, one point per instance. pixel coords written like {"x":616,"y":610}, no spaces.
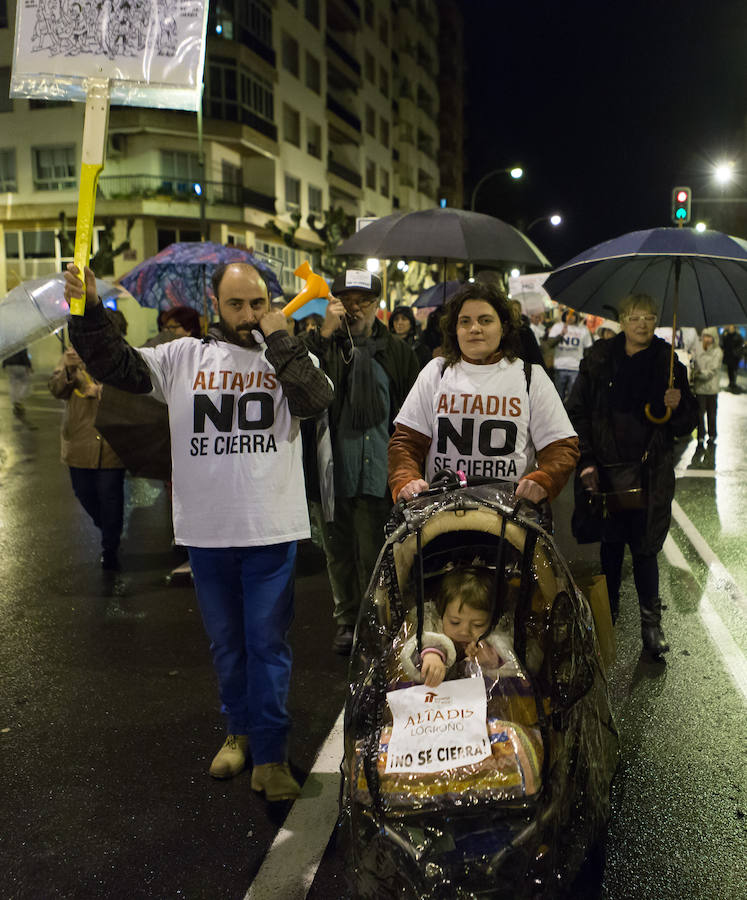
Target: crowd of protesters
{"x":348,"y":404}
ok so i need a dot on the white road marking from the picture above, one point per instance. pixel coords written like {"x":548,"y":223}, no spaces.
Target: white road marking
{"x":733,"y":658}
{"x":291,"y":863}
{"x":718,"y":571}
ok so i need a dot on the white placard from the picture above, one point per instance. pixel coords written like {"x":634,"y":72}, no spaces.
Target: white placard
{"x":358,"y":278}
{"x":438,"y":728}
{"x":153,"y":51}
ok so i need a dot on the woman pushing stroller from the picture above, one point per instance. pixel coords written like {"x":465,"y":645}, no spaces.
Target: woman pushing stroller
{"x":481,"y":410}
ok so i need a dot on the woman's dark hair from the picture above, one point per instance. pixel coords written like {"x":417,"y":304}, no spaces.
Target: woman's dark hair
{"x":185,"y":316}
{"x":510,"y":341}
{"x":406,"y":313}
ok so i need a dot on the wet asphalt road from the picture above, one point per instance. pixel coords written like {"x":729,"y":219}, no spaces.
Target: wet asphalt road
{"x":108,"y":712}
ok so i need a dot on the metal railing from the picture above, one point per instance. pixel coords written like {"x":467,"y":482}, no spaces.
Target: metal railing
{"x":144,"y":187}
{"x":344,"y":172}
{"x":339,"y":110}
{"x":349,"y":60}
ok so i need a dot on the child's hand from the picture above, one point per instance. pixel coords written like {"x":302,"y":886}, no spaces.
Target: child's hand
{"x":433,"y":670}
{"x":483,"y":654}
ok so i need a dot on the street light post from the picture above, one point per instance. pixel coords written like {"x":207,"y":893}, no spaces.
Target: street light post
{"x":514,"y":171}
{"x":554,"y":219}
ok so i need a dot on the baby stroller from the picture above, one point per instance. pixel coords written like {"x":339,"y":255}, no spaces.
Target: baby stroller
{"x":523,"y":821}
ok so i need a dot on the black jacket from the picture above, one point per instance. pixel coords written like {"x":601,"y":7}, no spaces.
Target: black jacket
{"x":598,"y":395}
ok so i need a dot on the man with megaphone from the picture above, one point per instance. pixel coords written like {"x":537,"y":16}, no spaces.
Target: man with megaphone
{"x":239,"y":503}
{"x":372,"y":372}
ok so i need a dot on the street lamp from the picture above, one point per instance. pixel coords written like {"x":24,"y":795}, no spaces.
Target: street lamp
{"x":515,"y":172}
{"x":700,"y":226}
{"x":554,"y":219}
{"x":724,"y":172}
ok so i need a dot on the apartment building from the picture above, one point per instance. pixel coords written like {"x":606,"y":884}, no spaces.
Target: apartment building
{"x":307,"y":105}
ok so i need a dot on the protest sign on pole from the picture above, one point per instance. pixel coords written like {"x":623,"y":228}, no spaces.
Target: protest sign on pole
{"x":130,"y":52}
{"x":438,"y":728}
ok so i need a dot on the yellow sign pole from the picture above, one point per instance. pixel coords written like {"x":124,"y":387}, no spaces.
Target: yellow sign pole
{"x":95,"y":126}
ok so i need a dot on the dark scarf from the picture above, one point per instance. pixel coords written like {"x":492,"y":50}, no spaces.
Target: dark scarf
{"x":364,"y":404}
{"x":636,"y":382}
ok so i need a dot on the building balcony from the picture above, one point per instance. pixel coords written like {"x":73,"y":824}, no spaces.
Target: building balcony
{"x":343,"y":56}
{"x":351,"y":176}
{"x":346,"y":123}
{"x":343,"y":15}
{"x":167,"y":187}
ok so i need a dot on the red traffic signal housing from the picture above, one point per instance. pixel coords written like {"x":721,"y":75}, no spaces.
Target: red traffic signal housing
{"x":681,"y":198}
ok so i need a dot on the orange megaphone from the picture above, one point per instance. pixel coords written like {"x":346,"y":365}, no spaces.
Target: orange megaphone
{"x":316,"y":286}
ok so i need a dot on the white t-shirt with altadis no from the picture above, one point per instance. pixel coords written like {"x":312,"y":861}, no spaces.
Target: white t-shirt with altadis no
{"x":481,"y":420}
{"x":570,"y":351}
{"x":235,"y":447}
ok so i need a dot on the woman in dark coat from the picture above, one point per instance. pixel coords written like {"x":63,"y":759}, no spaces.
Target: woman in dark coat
{"x":616,"y":380}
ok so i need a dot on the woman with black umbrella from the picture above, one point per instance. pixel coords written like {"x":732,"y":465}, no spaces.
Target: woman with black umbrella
{"x":627,"y":455}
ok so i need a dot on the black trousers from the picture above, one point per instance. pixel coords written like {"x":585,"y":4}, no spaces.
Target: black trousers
{"x":101,"y":494}
{"x":707,"y":404}
{"x":645,"y":571}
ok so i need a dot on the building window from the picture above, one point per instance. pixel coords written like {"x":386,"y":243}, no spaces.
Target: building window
{"x":180,"y":165}
{"x":384,"y":30}
{"x":6,"y":104}
{"x":238,"y":95}
{"x":384,"y":182}
{"x":291,"y":125}
{"x":3,"y":14}
{"x":368,"y":12}
{"x":292,"y":192}
{"x":369,"y":66}
{"x":315,"y":199}
{"x":179,"y":171}
{"x":312,"y":12}
{"x":384,"y":81}
{"x":8,"y":170}
{"x":290,"y":54}
{"x":370,"y":121}
{"x":231,"y":182}
{"x":313,"y":139}
{"x":54,"y":168}
{"x":313,"y":73}
{"x":384,"y":131}
{"x":371,"y":174}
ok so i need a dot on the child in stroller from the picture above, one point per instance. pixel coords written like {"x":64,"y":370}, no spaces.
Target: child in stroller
{"x":521,"y":819}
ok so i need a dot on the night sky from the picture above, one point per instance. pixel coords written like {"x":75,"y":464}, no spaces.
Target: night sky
{"x":607,"y":106}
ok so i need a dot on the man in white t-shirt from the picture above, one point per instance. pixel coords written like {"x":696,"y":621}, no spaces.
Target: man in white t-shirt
{"x":235,"y":401}
{"x":571,"y":340}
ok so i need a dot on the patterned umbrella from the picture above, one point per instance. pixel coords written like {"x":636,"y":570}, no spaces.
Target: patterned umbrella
{"x":180,"y":275}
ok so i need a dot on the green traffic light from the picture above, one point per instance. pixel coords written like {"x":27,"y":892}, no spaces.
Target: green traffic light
{"x":681,"y":213}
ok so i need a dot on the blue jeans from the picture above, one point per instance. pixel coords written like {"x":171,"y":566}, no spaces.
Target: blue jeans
{"x":564,"y":381}
{"x":101,"y":494}
{"x":246,"y":601}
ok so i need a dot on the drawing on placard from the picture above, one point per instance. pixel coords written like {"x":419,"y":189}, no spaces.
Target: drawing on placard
{"x":112,"y":28}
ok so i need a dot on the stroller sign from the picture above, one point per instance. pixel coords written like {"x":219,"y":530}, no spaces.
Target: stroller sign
{"x":439,"y":735}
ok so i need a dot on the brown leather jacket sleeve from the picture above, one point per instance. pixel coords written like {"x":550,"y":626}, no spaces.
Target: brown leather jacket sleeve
{"x":408,"y":450}
{"x":555,"y":464}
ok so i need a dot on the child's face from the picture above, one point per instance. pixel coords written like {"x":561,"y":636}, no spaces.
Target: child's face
{"x":462,"y":623}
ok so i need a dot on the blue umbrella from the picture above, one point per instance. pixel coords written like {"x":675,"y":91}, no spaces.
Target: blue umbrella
{"x":700,"y":277}
{"x":180,"y":274}
{"x":438,"y":294}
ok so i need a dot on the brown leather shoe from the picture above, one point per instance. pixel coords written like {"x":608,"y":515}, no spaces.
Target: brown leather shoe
{"x":276,"y":781}
{"x":231,"y":758}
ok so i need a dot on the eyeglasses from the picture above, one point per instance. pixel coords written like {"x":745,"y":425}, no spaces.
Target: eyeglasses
{"x":172,"y":327}
{"x":360,"y":303}
{"x":636,"y":319}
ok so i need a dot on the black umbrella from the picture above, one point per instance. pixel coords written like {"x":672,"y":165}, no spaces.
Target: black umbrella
{"x":438,"y":235}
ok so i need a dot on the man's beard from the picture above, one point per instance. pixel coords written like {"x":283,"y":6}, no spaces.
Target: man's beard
{"x":359,"y":326}
{"x":242,"y":336}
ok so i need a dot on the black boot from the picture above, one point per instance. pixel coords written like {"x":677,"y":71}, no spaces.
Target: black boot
{"x":614,"y":608}
{"x":654,"y":641}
